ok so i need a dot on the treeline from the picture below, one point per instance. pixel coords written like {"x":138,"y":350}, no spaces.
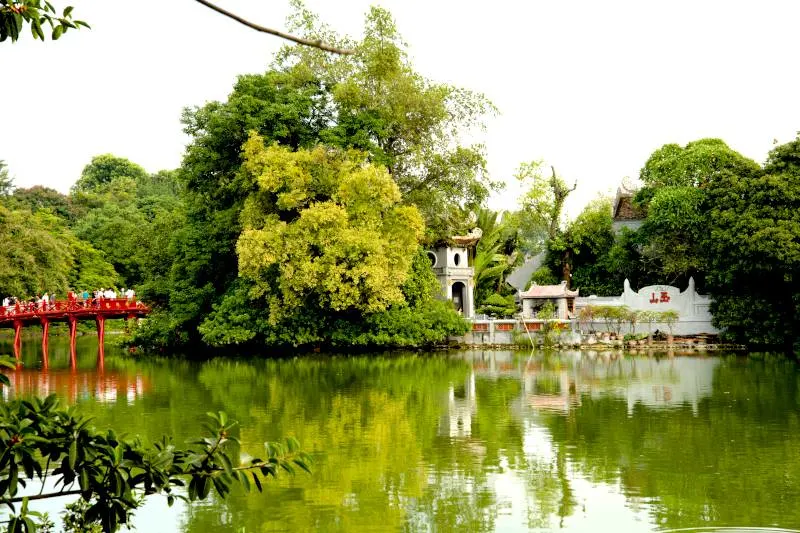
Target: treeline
{"x":104,"y":234}
{"x":298,"y":216}
{"x":304,"y":203}
{"x":708,"y":213}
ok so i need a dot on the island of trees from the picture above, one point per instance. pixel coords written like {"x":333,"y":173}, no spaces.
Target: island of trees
{"x":304,"y":203}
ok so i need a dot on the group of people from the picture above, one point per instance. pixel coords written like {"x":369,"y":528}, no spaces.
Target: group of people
{"x":109,"y":294}
{"x":47,"y":302}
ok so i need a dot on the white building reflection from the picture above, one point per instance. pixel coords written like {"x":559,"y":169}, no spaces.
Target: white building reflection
{"x":461,"y":406}
{"x":534,"y":491}
{"x":558,"y":383}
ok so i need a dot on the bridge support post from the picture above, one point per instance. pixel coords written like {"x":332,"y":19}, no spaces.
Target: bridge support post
{"x":18,"y":339}
{"x":73,"y":335}
{"x":45,"y":332}
{"x":101,"y":335}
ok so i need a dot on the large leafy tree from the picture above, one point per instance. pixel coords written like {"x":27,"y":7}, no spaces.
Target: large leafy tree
{"x":130,"y":216}
{"x":674,"y":232}
{"x":541,"y":205}
{"x":719,"y":217}
{"x":38,"y":197}
{"x":587,"y":243}
{"x":372,"y":101}
{"x":675,"y":197}
{"x":288,"y":107}
{"x":35,"y":259}
{"x":103,"y":170}
{"x":330,"y":256}
{"x":347,"y":244}
{"x":754,"y":250}
{"x":404,"y":121}
{"x":41,"y":254}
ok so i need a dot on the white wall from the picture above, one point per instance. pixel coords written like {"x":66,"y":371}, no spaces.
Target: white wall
{"x":692,"y":308}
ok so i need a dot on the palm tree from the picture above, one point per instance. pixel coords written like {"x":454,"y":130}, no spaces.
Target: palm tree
{"x":495,"y":253}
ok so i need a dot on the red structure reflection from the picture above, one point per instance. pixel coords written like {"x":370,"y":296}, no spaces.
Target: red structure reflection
{"x":104,"y":387}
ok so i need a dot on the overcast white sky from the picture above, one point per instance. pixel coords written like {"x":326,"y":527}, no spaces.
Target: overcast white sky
{"x":591,"y":87}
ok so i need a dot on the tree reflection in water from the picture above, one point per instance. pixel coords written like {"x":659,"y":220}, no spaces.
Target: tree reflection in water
{"x":477,"y":441}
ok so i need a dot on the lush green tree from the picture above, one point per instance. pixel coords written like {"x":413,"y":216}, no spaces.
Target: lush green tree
{"x":39,"y":197}
{"x":676,"y":180}
{"x":90,"y":269}
{"x":583,"y":250}
{"x":289,"y":107}
{"x":105,"y":169}
{"x":16,"y":15}
{"x":348,"y":244}
{"x":372,"y":101}
{"x":42,"y":255}
{"x":674,"y":233}
{"x":408,"y":123}
{"x":130,"y":216}
{"x":117,"y":231}
{"x":541,"y":205}
{"x":754,"y":250}
{"x":330,"y":257}
{"x":35,"y":258}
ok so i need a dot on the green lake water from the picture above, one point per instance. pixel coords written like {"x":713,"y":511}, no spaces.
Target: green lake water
{"x":468,"y":441}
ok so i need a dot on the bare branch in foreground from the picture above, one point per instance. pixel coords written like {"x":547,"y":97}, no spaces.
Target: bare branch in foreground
{"x":300,"y":40}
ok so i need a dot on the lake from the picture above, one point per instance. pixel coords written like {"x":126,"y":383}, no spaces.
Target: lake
{"x":466,"y":441}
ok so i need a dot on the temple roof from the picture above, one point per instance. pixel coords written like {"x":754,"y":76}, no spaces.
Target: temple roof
{"x":469,"y":239}
{"x":623,"y":206}
{"x":549,"y":291}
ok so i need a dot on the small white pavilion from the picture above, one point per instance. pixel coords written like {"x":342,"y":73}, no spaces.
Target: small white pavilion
{"x":538,"y":295}
{"x":451,"y":266}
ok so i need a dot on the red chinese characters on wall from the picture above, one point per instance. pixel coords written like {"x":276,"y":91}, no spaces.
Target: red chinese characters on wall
{"x":662,"y":298}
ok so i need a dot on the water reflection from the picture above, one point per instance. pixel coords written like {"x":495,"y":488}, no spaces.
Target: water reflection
{"x":46,"y":371}
{"x":477,"y":441}
{"x":100,"y":386}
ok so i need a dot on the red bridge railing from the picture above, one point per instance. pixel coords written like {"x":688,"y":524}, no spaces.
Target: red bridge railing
{"x":33,"y":309}
{"x":72,"y":311}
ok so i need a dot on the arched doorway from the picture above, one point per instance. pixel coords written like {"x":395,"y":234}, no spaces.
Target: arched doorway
{"x":458,"y":296}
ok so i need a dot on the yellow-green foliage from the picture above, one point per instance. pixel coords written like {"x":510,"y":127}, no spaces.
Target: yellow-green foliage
{"x":336,"y":236}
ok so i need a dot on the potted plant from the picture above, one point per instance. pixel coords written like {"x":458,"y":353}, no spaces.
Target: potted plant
{"x":630,"y":340}
{"x":618,"y":316}
{"x":604,"y":312}
{"x":670,"y":318}
{"x":586,"y":317}
{"x":633,"y":318}
{"x":649,"y":317}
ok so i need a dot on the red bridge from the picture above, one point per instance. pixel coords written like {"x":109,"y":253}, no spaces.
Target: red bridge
{"x":71,"y":311}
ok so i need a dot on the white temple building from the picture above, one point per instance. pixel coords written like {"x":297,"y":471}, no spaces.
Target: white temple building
{"x":451,"y":265}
